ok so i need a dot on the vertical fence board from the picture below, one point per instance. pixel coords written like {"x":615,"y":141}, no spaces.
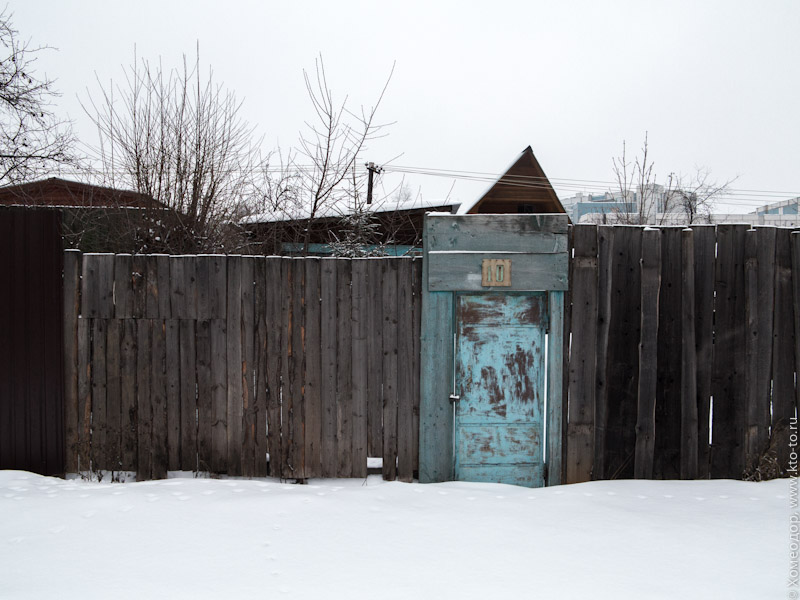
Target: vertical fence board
{"x":751,"y":395}
{"x":297,"y":374}
{"x":766,"y":307}
{"x":72,"y":275}
{"x":260,"y":358}
{"x":273,"y":300}
{"x":99,"y":413}
{"x":623,"y":353}
{"x":113,"y":394}
{"x":234,"y":354}
{"x":604,"y":249}
{"x":144,"y":419}
{"x":689,"y":425}
{"x":97,"y":293}
{"x":205,"y":410}
{"x":123,"y":286}
{"x":651,"y":278}
{"x":173,"y":369}
{"x":138,"y":286}
{"x":158,"y":396}
{"x":128,"y":417}
{"x":344,"y":374}
{"x":390,"y":375}
{"x":84,"y":393}
{"x":580,"y":429}
{"x":416,"y":364}
{"x":784,"y":338}
{"x":249,"y":409}
{"x":328,"y":344}
{"x":359,"y":367}
{"x":727,"y":460}
{"x":704,"y":268}
{"x":375,"y":359}
{"x":188,"y":357}
{"x":668,"y":393}
{"x":313,"y":407}
{"x":405,"y":375}
{"x":219,"y":396}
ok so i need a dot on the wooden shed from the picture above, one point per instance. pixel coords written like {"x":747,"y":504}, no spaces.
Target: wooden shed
{"x":522,"y":189}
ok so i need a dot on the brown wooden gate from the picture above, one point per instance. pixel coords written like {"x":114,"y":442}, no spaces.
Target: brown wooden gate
{"x":31,"y":346}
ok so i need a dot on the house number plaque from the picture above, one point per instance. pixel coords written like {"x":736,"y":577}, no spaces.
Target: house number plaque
{"x":496,"y":272}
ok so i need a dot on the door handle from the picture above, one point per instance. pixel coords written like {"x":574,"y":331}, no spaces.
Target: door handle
{"x":454,"y":398}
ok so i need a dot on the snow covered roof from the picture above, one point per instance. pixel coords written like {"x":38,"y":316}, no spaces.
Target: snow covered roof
{"x":341,"y":209}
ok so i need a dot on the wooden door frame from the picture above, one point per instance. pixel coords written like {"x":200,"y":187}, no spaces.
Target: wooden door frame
{"x":454,"y":248}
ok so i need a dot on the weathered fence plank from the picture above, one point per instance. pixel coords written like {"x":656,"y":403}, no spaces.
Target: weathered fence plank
{"x":623,"y":353}
{"x":605,"y":240}
{"x":344,"y":368}
{"x":765,"y":309}
{"x":668,"y":389}
{"x":249,"y":409}
{"x":751,"y":395}
{"x":188,"y":361}
{"x":173,"y":368}
{"x":689,"y":404}
{"x":219,"y":396}
{"x":359,"y":373}
{"x":158,"y":393}
{"x":205,"y":409}
{"x":72,"y":275}
{"x":390,"y":375}
{"x":260,"y":366}
{"x":784,"y":337}
{"x":375,"y":359}
{"x":113,"y":395}
{"x":651,"y":273}
{"x":234,"y":356}
{"x":99,"y":412}
{"x":704,"y":238}
{"x":273,"y":301}
{"x":582,"y":367}
{"x":405,"y":375}
{"x":727,"y":460}
{"x":296,"y":409}
{"x":328,"y":426}
{"x":313,"y":366}
{"x":144,"y":418}
{"x":128,"y":376}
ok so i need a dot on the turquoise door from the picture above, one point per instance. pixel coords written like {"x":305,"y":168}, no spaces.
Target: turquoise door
{"x":500,"y":365}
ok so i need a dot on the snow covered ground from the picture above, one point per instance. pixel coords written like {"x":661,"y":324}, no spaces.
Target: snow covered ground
{"x":239,"y":539}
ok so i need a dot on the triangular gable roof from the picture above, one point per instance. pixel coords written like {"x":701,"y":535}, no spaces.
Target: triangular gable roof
{"x":523,"y":183}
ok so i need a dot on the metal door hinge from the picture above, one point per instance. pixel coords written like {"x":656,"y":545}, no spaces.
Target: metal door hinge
{"x":454,"y":398}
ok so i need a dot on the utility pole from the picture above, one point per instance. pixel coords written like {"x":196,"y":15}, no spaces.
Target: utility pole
{"x":372,"y":170}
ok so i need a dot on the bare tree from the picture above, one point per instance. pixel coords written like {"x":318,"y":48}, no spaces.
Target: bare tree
{"x":177,"y":137}
{"x":694,"y":196}
{"x":32,"y":139}
{"x":643,"y":200}
{"x":332,"y":145}
{"x":636,"y":186}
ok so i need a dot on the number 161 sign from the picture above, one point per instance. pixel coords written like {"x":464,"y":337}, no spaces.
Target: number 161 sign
{"x":496,"y":272}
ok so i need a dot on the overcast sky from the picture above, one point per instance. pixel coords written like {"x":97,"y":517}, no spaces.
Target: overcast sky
{"x":716,"y":84}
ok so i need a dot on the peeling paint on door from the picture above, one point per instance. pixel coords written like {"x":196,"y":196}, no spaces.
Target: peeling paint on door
{"x":500,"y":368}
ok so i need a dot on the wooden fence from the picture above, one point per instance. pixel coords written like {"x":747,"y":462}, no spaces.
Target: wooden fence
{"x":243,"y":365}
{"x":680,"y":360}
{"x":679,"y":336}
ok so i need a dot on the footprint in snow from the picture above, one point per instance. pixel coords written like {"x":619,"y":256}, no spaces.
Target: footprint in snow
{"x":16,"y":540}
{"x":58,"y":529}
{"x":126,"y":508}
{"x":184,"y":498}
{"x":89,"y":514}
{"x":208,"y":492}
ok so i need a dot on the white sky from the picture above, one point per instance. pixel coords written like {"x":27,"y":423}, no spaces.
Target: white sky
{"x":715,"y":83}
